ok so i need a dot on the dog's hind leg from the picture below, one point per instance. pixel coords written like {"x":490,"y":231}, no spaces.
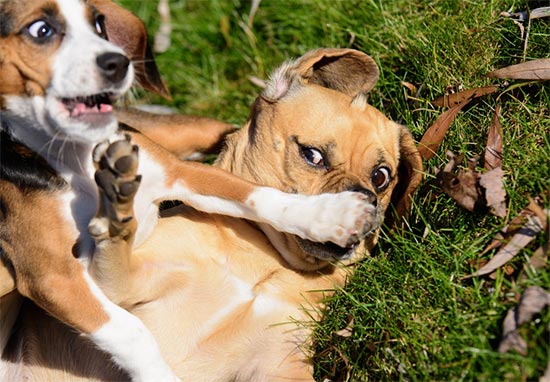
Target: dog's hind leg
{"x":57,"y":282}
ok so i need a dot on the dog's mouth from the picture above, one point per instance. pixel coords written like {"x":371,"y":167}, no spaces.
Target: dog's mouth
{"x":83,"y":106}
{"x":326,"y":251}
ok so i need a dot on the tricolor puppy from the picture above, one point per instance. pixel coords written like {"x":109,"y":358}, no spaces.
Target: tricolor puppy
{"x":59,"y":76}
{"x":231,"y":300}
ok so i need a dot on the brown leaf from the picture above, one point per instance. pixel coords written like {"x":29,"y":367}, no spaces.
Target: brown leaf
{"x":493,"y":151}
{"x":347,"y":331}
{"x":409,"y":86}
{"x":513,"y":227}
{"x":510,"y":336}
{"x":495,"y":195}
{"x":449,"y":100}
{"x":433,"y":137}
{"x":539,"y":259}
{"x":532,"y":302}
{"x":530,"y":70}
{"x":523,"y":237}
{"x":462,"y":186}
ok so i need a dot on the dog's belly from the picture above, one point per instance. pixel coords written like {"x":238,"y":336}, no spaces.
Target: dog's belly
{"x":231,"y":306}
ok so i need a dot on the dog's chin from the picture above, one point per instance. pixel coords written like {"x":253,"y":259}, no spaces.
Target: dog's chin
{"x":325,"y":251}
{"x":85,"y":119}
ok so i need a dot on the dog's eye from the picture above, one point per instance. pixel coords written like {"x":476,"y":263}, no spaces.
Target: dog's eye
{"x":40,"y":30}
{"x":313,"y":156}
{"x":100,"y":26}
{"x":381,"y":178}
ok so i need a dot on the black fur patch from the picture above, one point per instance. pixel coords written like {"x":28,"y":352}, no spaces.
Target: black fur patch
{"x":24,"y":168}
{"x":6,"y":23}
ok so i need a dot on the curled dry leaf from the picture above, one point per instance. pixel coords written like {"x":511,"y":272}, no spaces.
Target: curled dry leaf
{"x":510,"y":336}
{"x":495,"y":195}
{"x":493,"y":151}
{"x":432,"y":138}
{"x":514,"y":226}
{"x":412,"y":89}
{"x":462,"y":186}
{"x":530,"y":70}
{"x":347,"y":331}
{"x":453,"y":99}
{"x":512,"y":248}
{"x":532,"y":302}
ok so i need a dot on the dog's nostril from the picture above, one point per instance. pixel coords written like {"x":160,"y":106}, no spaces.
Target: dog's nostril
{"x":113,"y":66}
{"x":371,"y":197}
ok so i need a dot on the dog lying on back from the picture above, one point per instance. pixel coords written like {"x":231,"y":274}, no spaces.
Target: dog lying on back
{"x":228,"y":299}
{"x":60,"y":72}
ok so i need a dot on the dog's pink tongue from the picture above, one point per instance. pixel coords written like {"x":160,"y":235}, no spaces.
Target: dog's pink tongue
{"x":81,"y":109}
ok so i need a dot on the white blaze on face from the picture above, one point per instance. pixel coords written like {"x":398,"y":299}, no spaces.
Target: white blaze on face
{"x":75,"y":73}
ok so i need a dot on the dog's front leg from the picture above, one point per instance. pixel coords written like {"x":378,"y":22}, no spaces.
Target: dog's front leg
{"x":112,"y":267}
{"x":341,"y":218}
{"x":114,"y":226}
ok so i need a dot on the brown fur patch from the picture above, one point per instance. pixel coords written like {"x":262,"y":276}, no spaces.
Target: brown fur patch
{"x":25,"y":65}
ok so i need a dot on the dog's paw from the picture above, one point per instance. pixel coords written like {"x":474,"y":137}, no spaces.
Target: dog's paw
{"x":343,"y":219}
{"x":117,"y":180}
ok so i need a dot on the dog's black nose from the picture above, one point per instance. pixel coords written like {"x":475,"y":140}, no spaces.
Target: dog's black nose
{"x":371,"y":197}
{"x":114,"y":66}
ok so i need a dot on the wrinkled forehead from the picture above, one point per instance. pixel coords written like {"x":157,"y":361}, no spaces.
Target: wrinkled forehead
{"x":342,"y":124}
{"x":63,"y":14}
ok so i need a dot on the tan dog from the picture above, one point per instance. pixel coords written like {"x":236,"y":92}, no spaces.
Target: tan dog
{"x":59,"y":75}
{"x":230,"y":300}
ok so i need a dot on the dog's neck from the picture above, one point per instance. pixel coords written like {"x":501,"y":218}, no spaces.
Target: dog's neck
{"x":66,"y":157}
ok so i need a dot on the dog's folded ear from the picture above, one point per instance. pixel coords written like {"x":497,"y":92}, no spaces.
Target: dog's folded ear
{"x":345,"y":70}
{"x":128,"y":31}
{"x":409,"y":175}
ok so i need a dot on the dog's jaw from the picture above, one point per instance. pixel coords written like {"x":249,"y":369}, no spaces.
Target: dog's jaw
{"x":312,"y":259}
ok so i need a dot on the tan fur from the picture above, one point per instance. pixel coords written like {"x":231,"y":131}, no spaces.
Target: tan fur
{"x":222,"y":302}
{"x":182,"y":135}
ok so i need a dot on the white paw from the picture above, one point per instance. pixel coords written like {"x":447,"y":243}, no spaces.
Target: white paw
{"x":343,"y":218}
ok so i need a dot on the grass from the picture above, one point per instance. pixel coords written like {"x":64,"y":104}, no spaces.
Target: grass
{"x":414,"y":318}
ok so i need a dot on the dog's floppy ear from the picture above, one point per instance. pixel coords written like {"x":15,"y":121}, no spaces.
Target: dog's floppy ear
{"x":409,"y":175}
{"x":346,"y":70}
{"x":128,"y":31}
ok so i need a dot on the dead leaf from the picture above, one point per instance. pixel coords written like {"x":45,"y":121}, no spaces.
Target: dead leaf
{"x":433,"y":137}
{"x":539,"y":259}
{"x":493,"y":151}
{"x":347,"y":331}
{"x":453,"y":99}
{"x":530,"y":70}
{"x":409,"y":86}
{"x":532,"y":302}
{"x":514,"y":226}
{"x":523,"y":237}
{"x":462,"y":186}
{"x":510,"y":336}
{"x":495,"y":195}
